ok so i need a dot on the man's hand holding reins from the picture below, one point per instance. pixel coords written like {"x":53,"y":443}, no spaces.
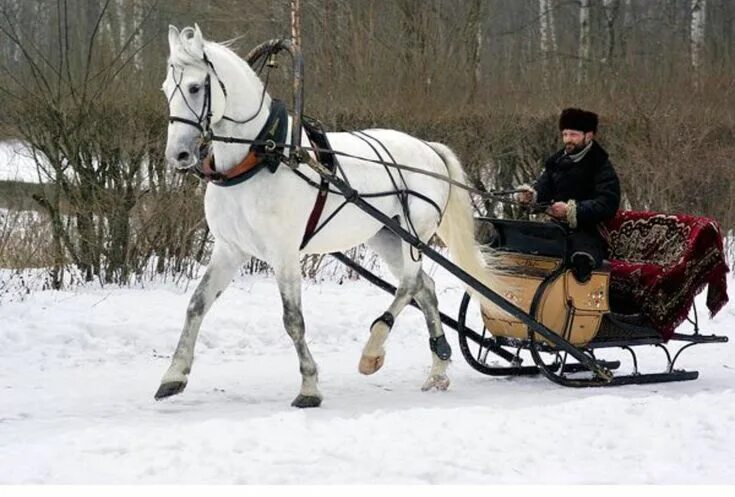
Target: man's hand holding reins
{"x":557,"y":210}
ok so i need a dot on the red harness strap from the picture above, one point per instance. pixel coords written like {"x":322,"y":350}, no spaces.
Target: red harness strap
{"x":318,"y":139}
{"x":208,"y":168}
{"x":316,"y":212}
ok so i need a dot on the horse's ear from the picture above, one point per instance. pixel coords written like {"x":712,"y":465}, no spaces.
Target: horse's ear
{"x":198,"y":32}
{"x":196,"y":46}
{"x":174,"y":39}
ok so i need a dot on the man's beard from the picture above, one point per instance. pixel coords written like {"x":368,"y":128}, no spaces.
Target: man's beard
{"x":571,"y":148}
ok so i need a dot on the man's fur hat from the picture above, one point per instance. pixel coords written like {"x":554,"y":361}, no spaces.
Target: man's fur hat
{"x":578,"y":119}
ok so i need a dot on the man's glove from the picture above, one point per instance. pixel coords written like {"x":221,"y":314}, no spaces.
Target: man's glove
{"x":527,"y":196}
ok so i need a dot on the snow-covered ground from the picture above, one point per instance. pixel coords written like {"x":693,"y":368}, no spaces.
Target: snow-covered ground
{"x":17,"y":163}
{"x":78,"y":371}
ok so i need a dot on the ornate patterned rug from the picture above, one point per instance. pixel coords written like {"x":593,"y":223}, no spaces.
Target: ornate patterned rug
{"x":662,"y":261}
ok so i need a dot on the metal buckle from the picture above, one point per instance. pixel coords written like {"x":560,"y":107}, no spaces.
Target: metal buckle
{"x":270,"y":146}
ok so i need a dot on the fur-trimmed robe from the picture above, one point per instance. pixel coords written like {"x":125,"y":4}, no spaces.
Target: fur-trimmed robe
{"x":590,"y":187}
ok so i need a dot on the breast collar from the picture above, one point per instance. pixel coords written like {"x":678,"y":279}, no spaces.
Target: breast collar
{"x":266,"y":151}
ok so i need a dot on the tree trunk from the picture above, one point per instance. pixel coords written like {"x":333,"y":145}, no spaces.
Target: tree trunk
{"x":15,"y":8}
{"x":86,"y":242}
{"x":91,"y":13}
{"x":122,"y":26}
{"x":584,"y":40}
{"x":697,"y":28}
{"x":548,"y":36}
{"x":57,"y":232}
{"x":474,"y":45}
{"x":611,"y":8}
{"x":138,"y":18}
{"x":627,"y":25}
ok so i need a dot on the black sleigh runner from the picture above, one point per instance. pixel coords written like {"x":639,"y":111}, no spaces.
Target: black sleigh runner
{"x":639,"y":297}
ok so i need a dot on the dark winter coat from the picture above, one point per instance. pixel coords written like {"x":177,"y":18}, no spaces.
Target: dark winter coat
{"x":592,"y":183}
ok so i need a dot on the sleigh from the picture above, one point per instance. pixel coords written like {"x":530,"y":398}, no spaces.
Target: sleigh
{"x":635,"y":300}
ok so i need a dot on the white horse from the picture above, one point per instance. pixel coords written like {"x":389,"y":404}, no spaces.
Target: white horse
{"x":265,"y":216}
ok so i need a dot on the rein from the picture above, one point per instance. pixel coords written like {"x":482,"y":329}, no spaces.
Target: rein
{"x":270,"y":149}
{"x":294,"y":159}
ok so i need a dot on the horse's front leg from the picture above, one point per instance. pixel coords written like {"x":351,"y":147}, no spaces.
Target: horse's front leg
{"x":289,"y":285}
{"x":218,"y":275}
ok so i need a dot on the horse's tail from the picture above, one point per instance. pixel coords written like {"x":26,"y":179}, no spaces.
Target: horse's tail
{"x":457,"y":227}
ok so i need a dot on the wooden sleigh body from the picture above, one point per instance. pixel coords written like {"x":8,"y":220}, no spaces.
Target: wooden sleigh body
{"x":541,"y":282}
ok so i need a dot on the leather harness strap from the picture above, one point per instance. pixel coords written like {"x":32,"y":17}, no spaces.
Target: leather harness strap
{"x":318,"y":138}
{"x":209,"y":171}
{"x":270,"y":155}
{"x":260,"y":156}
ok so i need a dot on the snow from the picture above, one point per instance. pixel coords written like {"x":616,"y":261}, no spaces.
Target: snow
{"x":17,"y":163}
{"x":78,"y":370}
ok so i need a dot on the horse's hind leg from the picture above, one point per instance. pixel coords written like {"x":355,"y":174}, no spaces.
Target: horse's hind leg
{"x":440,"y":351}
{"x":289,"y":285}
{"x":414,"y":283}
{"x":218,"y":275}
{"x":390,"y":249}
{"x":373,"y":354}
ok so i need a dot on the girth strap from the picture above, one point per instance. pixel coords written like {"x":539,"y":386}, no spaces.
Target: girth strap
{"x":318,"y":138}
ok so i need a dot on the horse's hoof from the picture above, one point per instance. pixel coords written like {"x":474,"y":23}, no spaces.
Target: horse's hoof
{"x":304,"y":401}
{"x":369,"y":365}
{"x":436,"y":382}
{"x":169,"y":389}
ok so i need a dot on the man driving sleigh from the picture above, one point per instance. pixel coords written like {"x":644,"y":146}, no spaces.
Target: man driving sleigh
{"x":658,"y":261}
{"x":581,"y":187}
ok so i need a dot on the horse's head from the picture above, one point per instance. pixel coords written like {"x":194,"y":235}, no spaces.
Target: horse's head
{"x":195,"y":94}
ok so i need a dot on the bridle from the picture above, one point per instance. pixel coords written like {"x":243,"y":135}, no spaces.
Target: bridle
{"x":203,"y":118}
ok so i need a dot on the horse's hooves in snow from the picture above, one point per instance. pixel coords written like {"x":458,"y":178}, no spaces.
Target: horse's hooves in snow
{"x":169,"y":389}
{"x":437,"y":381}
{"x":304,"y":401}
{"x":369,"y":365}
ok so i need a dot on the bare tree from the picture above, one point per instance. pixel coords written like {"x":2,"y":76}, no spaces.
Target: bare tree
{"x":584,"y":40}
{"x":90,"y":124}
{"x":697,"y":27}
{"x":548,"y":34}
{"x":121,"y":14}
{"x":627,"y":9}
{"x":611,"y":9}
{"x":474,"y":37}
{"x":139,"y":15}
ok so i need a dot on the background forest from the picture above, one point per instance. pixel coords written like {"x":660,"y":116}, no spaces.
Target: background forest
{"x":80,"y":79}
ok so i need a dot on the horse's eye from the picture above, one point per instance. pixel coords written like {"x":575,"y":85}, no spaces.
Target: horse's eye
{"x":194,"y":89}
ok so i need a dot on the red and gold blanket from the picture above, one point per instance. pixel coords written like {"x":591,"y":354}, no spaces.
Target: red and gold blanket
{"x":662,"y":261}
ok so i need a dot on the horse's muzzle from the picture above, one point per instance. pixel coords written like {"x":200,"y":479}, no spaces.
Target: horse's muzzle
{"x":183,"y":163}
